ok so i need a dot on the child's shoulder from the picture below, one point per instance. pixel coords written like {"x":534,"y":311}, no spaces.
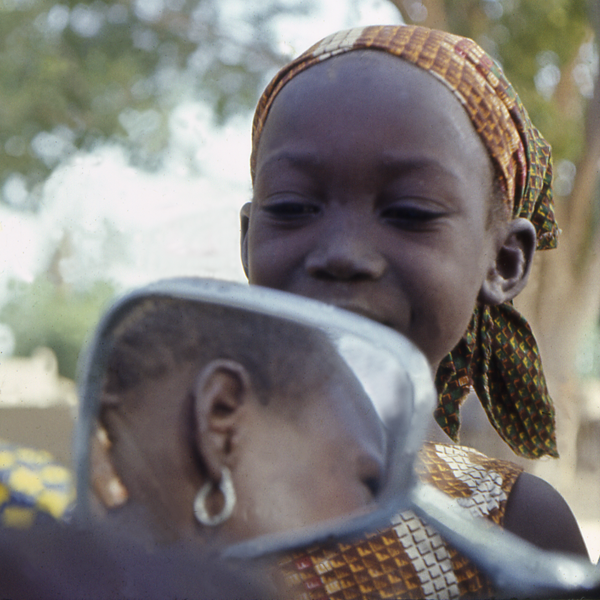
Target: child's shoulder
{"x":500,"y":491}
{"x":539,"y":514}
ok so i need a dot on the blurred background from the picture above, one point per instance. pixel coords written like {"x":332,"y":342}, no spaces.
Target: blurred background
{"x":124,"y":150}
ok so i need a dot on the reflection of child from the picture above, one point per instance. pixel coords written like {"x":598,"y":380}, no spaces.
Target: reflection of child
{"x":196,"y":394}
{"x":396,"y":174}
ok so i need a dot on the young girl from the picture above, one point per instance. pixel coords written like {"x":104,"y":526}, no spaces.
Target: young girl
{"x":397,"y":174}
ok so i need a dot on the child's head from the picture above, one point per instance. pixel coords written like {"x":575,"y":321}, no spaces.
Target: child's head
{"x":192,"y":388}
{"x":396,"y":174}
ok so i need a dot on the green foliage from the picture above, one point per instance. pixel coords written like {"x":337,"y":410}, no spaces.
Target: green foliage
{"x":73,"y":73}
{"x":43,"y":314}
{"x":534,"y":40}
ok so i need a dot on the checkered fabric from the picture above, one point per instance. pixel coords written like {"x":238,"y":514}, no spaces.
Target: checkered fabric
{"x":32,"y":485}
{"x":409,"y":559}
{"x":498,"y":339}
{"x":498,"y":357}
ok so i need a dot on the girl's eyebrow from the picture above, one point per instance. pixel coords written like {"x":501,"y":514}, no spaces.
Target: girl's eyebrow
{"x":301,"y":160}
{"x":390,"y":165}
{"x":393,"y":165}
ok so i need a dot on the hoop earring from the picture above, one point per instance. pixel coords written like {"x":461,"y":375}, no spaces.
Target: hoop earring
{"x":226,"y":488}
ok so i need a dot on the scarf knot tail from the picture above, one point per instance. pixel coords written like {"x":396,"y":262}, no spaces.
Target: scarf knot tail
{"x":499,"y":359}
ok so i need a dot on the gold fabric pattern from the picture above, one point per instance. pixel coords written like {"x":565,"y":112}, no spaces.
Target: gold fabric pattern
{"x":409,"y":559}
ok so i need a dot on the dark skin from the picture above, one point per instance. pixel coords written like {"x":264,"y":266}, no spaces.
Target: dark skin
{"x":539,"y":514}
{"x":169,"y":434}
{"x":373,"y":192}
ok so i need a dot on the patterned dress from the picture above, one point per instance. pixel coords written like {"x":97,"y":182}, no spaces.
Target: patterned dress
{"x":409,"y":559}
{"x":33,"y":486}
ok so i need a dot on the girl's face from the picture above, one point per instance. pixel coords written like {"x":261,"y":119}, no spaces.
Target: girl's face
{"x":373,"y":192}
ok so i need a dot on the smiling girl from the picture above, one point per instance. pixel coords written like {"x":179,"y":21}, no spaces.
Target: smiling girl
{"x":396,"y":174}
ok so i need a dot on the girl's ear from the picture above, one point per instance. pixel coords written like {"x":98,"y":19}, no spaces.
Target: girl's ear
{"x":245,"y":223}
{"x":510,"y":270}
{"x":221,"y":396}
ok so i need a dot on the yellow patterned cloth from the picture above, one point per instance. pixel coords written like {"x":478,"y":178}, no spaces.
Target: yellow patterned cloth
{"x":498,"y":356}
{"x":32,"y":486}
{"x":409,"y":559}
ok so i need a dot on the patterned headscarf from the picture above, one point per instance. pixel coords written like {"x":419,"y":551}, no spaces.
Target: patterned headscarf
{"x":498,"y":356}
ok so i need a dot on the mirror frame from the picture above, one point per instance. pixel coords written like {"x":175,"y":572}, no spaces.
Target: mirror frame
{"x":406,"y":440}
{"x":516,"y":567}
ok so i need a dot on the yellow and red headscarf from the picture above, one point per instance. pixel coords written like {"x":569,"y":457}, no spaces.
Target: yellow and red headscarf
{"x":498,"y":355}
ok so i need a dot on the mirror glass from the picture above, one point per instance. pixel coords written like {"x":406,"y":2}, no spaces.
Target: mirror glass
{"x":227,"y":414}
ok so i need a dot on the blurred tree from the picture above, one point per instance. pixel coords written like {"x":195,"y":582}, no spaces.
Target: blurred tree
{"x":44,"y":314}
{"x":548,"y":50}
{"x":75,"y":73}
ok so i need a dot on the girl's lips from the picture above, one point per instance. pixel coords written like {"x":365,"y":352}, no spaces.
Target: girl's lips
{"x":366,"y":302}
{"x":364,"y":311}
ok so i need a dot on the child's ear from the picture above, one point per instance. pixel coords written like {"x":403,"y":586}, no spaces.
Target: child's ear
{"x":107,"y":487}
{"x":510,"y":270}
{"x":221,"y":395}
{"x":245,"y":223}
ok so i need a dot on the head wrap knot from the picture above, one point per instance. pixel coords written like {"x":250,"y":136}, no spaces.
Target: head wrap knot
{"x":498,"y":355}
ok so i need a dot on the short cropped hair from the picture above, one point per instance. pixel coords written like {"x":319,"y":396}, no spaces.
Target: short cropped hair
{"x":159,"y":334}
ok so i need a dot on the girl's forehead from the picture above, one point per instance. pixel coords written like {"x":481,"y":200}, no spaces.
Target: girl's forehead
{"x":364,"y":73}
{"x":371,"y":97}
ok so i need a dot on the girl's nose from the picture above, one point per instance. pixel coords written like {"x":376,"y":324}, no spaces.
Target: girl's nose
{"x":345,"y":254}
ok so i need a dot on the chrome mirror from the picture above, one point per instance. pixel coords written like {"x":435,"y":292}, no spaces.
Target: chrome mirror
{"x":364,"y":394}
{"x":517,"y":568}
{"x":342,"y":405}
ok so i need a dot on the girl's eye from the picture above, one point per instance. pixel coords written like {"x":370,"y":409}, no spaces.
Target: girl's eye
{"x":410,"y":217}
{"x":291,"y":209}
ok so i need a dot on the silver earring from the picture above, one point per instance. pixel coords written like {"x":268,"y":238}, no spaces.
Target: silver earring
{"x":226,"y":488}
